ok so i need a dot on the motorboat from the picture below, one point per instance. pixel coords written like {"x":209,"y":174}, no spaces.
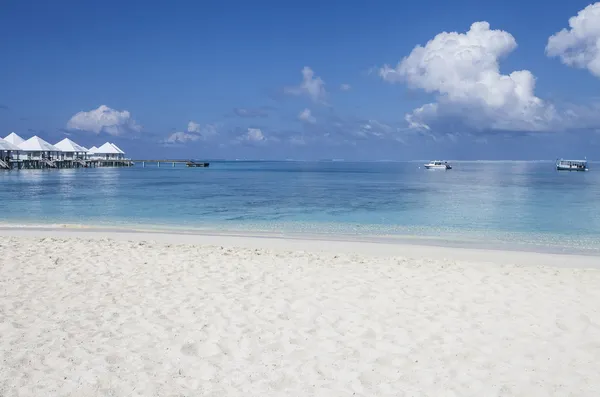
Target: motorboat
{"x":571,"y":165}
{"x":438,"y":165}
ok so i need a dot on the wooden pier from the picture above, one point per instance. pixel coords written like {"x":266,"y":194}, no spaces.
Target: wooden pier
{"x":172,"y":163}
{"x":195,"y":164}
{"x":36,"y":164}
{"x":46,"y":163}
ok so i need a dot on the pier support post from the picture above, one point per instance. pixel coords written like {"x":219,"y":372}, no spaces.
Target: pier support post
{"x":143,"y":164}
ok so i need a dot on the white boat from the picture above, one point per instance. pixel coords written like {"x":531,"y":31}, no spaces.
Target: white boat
{"x":438,"y":165}
{"x":571,"y":165}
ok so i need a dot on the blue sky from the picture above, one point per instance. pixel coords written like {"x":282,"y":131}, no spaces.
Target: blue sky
{"x":224,"y":79}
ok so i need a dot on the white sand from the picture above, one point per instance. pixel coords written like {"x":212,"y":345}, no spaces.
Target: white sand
{"x":82,"y":315}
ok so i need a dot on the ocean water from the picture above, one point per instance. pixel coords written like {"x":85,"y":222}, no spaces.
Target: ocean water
{"x":527,"y":203}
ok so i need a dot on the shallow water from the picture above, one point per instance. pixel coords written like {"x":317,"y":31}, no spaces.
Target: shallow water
{"x":521,"y":202}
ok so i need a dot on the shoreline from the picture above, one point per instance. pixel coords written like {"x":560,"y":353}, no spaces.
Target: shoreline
{"x":488,"y":239}
{"x":381,"y":246}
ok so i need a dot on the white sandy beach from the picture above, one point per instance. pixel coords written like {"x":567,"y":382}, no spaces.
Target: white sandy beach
{"x":86,"y":313}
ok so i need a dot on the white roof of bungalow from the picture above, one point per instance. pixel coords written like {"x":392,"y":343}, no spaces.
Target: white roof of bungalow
{"x":7,"y":146}
{"x":67,"y":145}
{"x":107,"y":148}
{"x":92,"y":150}
{"x":116,"y":147}
{"x":14,"y":139}
{"x":37,"y":144}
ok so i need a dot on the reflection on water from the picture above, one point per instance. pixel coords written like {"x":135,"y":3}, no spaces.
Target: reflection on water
{"x":31,"y":197}
{"x":516,"y":198}
{"x":67,"y":187}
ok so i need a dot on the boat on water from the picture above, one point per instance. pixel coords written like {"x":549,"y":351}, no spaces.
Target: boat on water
{"x":571,"y":165}
{"x":438,"y":165}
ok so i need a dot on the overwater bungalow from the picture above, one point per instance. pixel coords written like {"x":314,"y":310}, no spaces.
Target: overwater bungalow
{"x":14,"y":139}
{"x":36,"y":147}
{"x":7,"y":151}
{"x":18,"y":153}
{"x":116,"y":147}
{"x":108,"y":151}
{"x":91,"y":153}
{"x":71,"y":150}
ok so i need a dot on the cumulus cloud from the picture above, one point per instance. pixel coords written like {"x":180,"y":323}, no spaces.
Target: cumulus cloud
{"x":254,"y":135}
{"x":306,"y":117}
{"x":250,"y":113}
{"x":194,"y":132}
{"x":345,"y":87}
{"x":182,"y":137}
{"x":311,"y":86}
{"x":104,"y":120}
{"x":462,"y":69}
{"x":579,"y":46}
{"x":193,"y":127}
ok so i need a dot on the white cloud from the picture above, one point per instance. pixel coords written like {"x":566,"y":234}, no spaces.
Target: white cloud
{"x":182,"y":137}
{"x":376,"y":128}
{"x":313,"y":87}
{"x":345,"y":87}
{"x":193,"y":127}
{"x":252,"y":135}
{"x":580,"y":46}
{"x":462,"y":69}
{"x":255,"y":135}
{"x":104,"y":120}
{"x":423,"y":113}
{"x":357,"y":129}
{"x":194,"y":132}
{"x":208,"y":131}
{"x":366,"y":129}
{"x":307,"y":117}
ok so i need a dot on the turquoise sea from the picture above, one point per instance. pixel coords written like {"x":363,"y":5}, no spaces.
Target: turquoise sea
{"x":525,"y":204}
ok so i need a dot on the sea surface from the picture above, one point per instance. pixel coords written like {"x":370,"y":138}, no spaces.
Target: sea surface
{"x":519,"y":203}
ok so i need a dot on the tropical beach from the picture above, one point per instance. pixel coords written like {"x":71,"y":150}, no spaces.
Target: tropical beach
{"x":331,"y":199}
{"x":97,"y":313}
{"x":112,"y":284}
